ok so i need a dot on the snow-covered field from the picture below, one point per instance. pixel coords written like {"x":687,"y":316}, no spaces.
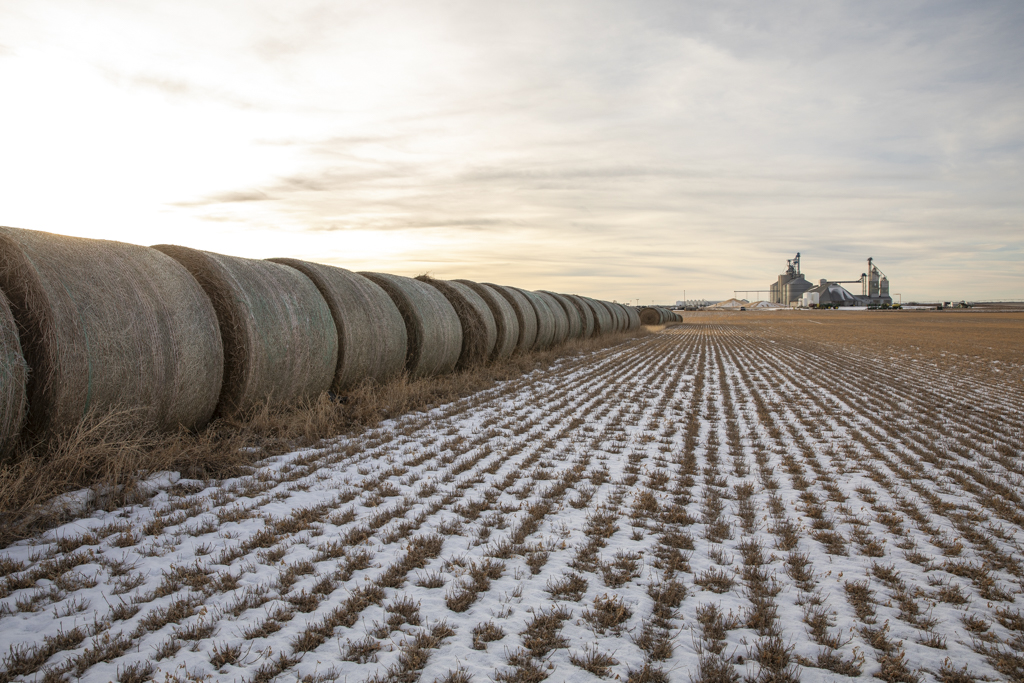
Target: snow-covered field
{"x":712,"y":502}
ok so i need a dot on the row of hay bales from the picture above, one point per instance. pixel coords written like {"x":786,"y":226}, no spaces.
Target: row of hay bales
{"x":180,"y":336}
{"x":657,"y":315}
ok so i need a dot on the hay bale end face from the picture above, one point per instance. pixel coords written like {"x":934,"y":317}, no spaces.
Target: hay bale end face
{"x":280,"y":342}
{"x":586,"y":315}
{"x":602,"y":317}
{"x":108,"y":326}
{"x":433,"y":326}
{"x":525,"y":314}
{"x":13,"y":380}
{"x":372,"y":339}
{"x":650,"y":316}
{"x":545,"y":319}
{"x":505,"y":321}
{"x":479,"y":330}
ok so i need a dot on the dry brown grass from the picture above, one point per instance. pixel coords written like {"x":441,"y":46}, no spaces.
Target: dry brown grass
{"x":110,"y":455}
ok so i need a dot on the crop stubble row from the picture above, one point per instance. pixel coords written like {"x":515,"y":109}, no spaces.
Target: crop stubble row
{"x":638,"y":475}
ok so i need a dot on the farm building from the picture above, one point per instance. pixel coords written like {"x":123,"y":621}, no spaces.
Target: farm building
{"x":792,"y":289}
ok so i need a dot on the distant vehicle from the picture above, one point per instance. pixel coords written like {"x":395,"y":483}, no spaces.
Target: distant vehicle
{"x":743,"y":308}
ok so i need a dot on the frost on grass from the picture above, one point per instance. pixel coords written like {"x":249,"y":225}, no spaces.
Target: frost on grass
{"x":725,"y":501}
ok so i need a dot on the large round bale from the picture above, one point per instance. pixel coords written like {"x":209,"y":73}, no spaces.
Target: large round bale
{"x":634,"y":317}
{"x":586,"y":314}
{"x":572,"y":315}
{"x":479,"y":330}
{"x":280,"y":343}
{"x":602,"y":317}
{"x":560,"y":318}
{"x":525,"y":315}
{"x":650,"y":315}
{"x":107,"y":326}
{"x":433,"y":326}
{"x":620,"y":311}
{"x":372,"y":341}
{"x":545,"y":319}
{"x":615,"y":324}
{"x":505,"y":320}
{"x":13,"y":379}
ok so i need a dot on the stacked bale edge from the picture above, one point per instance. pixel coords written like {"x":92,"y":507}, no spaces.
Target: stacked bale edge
{"x":280,"y":342}
{"x":602,"y":317}
{"x":586,"y":314}
{"x":506,"y":322}
{"x":525,"y":314}
{"x":620,"y":311}
{"x":372,"y":340}
{"x":13,"y":380}
{"x":559,"y":316}
{"x":634,"y":318}
{"x":572,"y":315}
{"x":108,"y":326}
{"x":433,"y":326}
{"x":545,"y":319}
{"x":479,"y":330}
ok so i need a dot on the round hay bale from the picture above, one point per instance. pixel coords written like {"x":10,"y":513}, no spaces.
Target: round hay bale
{"x":505,"y":321}
{"x":479,"y":331}
{"x":586,"y":314}
{"x":634,"y":317}
{"x":616,"y":319}
{"x":372,"y":341}
{"x":650,"y":315}
{"x":108,"y":326}
{"x":13,"y":380}
{"x":572,"y":315}
{"x":280,"y":343}
{"x":602,"y":317}
{"x":545,"y":319}
{"x":560,"y":317}
{"x":433,"y":326}
{"x":525,"y":315}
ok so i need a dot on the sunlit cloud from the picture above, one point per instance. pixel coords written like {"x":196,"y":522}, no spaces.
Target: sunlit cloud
{"x":622,"y":150}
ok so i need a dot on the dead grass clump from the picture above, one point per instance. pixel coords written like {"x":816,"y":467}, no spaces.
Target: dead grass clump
{"x":715,"y":580}
{"x":541,"y":634}
{"x":486,"y":633}
{"x":609,"y":613}
{"x":594,"y":661}
{"x":571,"y":586}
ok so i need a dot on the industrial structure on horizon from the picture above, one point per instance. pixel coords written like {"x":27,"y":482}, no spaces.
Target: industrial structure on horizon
{"x":792,"y":289}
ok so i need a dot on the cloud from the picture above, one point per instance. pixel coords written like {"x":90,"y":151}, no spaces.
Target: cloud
{"x":227,"y":198}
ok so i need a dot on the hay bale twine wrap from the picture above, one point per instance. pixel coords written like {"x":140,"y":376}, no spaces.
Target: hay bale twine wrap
{"x":602,"y":317}
{"x":572,"y":315}
{"x":479,"y":330}
{"x":372,"y":340}
{"x":13,"y":380}
{"x":280,"y":343}
{"x":433,"y":326}
{"x":586,"y":314}
{"x":560,"y":318}
{"x":545,"y":319}
{"x":525,"y":315}
{"x":505,"y":320}
{"x":633,"y":316}
{"x":108,"y":326}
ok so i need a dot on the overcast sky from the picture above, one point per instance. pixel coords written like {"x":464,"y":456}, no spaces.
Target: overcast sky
{"x":625,"y":150}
